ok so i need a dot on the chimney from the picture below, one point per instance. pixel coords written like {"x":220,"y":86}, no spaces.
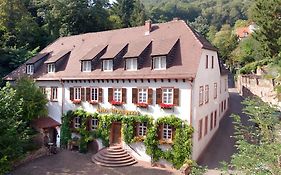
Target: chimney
{"x":147,"y":27}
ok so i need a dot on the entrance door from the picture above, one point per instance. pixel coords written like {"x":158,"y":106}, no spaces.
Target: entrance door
{"x":115,"y":133}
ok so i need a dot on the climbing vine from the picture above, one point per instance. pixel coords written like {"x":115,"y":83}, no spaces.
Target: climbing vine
{"x":65,"y":129}
{"x":180,"y":147}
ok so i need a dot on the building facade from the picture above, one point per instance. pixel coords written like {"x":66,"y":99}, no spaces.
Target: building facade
{"x":156,"y":69}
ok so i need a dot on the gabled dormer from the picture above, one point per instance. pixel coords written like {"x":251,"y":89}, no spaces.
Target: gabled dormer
{"x":163,"y":53}
{"x":33,"y":64}
{"x":136,"y":55}
{"x":113,"y":56}
{"x":89,"y":61}
{"x":56,"y":61}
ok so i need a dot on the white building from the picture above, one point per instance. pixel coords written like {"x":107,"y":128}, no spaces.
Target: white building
{"x":156,"y":64}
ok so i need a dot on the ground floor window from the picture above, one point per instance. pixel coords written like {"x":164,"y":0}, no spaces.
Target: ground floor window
{"x":167,"y":132}
{"x":76,"y":122}
{"x":142,"y":129}
{"x":54,"y":94}
{"x":94,"y":124}
{"x":117,"y":95}
{"x":77,"y":93}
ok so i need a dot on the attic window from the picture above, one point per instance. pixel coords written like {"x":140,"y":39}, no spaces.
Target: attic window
{"x":159,"y":63}
{"x":107,"y":65}
{"x":30,"y":69}
{"x":51,"y":68}
{"x":86,"y":66}
{"x":131,"y":64}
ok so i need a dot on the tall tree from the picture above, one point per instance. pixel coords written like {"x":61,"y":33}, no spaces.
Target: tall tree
{"x":268,"y":18}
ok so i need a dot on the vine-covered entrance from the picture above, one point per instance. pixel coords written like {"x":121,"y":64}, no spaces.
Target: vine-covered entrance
{"x":115,"y":133}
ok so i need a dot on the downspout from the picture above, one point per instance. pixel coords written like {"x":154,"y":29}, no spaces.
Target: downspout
{"x":191,"y":102}
{"x":63,"y":96}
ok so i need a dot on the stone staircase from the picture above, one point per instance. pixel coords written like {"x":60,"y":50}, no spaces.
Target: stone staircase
{"x":113,"y":156}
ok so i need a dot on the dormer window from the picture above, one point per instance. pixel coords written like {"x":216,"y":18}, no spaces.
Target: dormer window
{"x":30,"y":69}
{"x":51,"y":68}
{"x":107,"y":65}
{"x":159,"y":63}
{"x":131,"y":64}
{"x":86,"y":66}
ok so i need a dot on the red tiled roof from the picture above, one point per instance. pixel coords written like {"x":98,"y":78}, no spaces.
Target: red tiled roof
{"x":113,"y":50}
{"x":45,"y":122}
{"x":94,"y":52}
{"x":58,"y":56}
{"x":242,"y":32}
{"x":136,"y":48}
{"x":184,"y":65}
{"x":36,"y":58}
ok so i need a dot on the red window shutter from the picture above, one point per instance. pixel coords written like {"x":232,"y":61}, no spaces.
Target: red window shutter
{"x":88,"y":124}
{"x":110,"y":95}
{"x":158,"y":95}
{"x":100,"y":95}
{"x":71,"y":91}
{"x":160,"y":131}
{"x":124,"y":95}
{"x":135,"y":95}
{"x":83,"y":94}
{"x":176,"y":97}
{"x":150,"y":96}
{"x":173,"y":132}
{"x":136,"y":129}
{"x":88,"y":94}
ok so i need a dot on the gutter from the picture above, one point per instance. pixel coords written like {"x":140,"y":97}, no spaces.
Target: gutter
{"x":63,"y":96}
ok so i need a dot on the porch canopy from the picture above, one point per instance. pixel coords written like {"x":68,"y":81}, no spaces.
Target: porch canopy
{"x":45,"y":122}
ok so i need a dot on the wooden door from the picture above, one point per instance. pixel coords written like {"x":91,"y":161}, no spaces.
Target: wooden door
{"x":115,"y":133}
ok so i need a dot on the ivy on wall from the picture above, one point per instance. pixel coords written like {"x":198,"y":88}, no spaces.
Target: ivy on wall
{"x":178,"y":154}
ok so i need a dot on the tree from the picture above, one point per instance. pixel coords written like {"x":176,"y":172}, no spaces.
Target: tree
{"x":258,"y":143}
{"x":35,"y":101}
{"x":13,"y":131}
{"x":201,"y":25}
{"x":267,"y":16}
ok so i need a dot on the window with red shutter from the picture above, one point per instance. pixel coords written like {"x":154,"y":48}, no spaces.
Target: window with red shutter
{"x":110,"y":95}
{"x":176,"y":97}
{"x":158,"y":96}
{"x":71,"y":93}
{"x":135,"y":95}
{"x":200,"y":128}
{"x":150,"y":96}
{"x":124,"y":95}
{"x":100,"y":95}
{"x":88,"y":94}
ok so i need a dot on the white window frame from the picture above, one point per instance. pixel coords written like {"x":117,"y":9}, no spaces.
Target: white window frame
{"x":94,"y":123}
{"x":207,"y":93}
{"x":54,"y":93}
{"x":95,"y":94}
{"x":76,"y":122}
{"x":142,"y":95}
{"x":107,"y":65}
{"x":215,"y":90}
{"x":77,"y":93}
{"x":30,"y":69}
{"x":51,"y":68}
{"x":86,"y":66}
{"x":131,"y":64}
{"x":168,"y":95}
{"x":160,"y":63}
{"x":117,"y":94}
{"x":201,"y":95}
{"x":142,"y":129}
{"x":167,"y":132}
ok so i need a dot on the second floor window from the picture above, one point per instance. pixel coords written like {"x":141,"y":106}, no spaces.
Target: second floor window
{"x":54,"y":94}
{"x":201,"y":95}
{"x":51,"y":68}
{"x":142,"y":129}
{"x":107,"y":65}
{"x":86,"y":66}
{"x":159,"y":62}
{"x":131,"y":64}
{"x":77,"y":93}
{"x":215,"y":90}
{"x":167,"y":97}
{"x":30,"y":69}
{"x":206,"y":93}
{"x":117,"y":95}
{"x":142,"y":96}
{"x":94,"y":94}
{"x":167,"y":132}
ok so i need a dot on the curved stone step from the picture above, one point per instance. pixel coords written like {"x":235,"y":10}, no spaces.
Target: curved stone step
{"x":114,"y":156}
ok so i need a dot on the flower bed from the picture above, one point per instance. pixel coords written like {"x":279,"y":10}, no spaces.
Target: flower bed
{"x":116,"y":103}
{"x":166,"y":106}
{"x":142,"y":105}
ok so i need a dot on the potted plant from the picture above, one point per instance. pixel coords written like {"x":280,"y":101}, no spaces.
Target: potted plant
{"x":116,"y":103}
{"x":76,"y":101}
{"x":166,"y":106}
{"x":142,"y":105}
{"x":93,"y":102}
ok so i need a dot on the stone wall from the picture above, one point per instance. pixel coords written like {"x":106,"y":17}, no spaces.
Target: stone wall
{"x":255,"y":85}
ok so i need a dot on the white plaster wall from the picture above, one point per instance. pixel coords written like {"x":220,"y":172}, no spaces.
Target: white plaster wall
{"x":205,"y":77}
{"x":224,"y":94}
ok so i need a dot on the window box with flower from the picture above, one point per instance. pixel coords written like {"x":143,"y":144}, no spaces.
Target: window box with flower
{"x":76,"y":101}
{"x":166,"y":106}
{"x":116,"y":103}
{"x":93,"y":102}
{"x":142,"y":105}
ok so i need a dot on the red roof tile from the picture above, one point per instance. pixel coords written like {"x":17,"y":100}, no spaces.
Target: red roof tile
{"x":163,"y":46}
{"x":58,"y":56}
{"x":113,"y":50}
{"x":37,"y":58}
{"x":45,"y":122}
{"x":136,"y":48}
{"x":94,"y":52}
